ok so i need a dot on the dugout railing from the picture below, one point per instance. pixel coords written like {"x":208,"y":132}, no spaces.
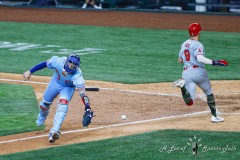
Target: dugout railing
{"x":182,"y":5}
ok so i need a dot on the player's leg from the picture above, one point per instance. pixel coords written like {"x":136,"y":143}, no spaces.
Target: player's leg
{"x":180,"y":83}
{"x":50,"y":93}
{"x":85,"y":4}
{"x":65,"y":96}
{"x":206,"y":87}
{"x":99,"y":6}
{"x":92,"y":3}
{"x":188,"y":92}
{"x":43,"y":112}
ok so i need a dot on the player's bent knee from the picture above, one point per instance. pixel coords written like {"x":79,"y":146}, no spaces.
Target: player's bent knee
{"x":45,"y":105}
{"x":44,"y":108}
{"x":63,"y":105}
{"x":63,"y":101}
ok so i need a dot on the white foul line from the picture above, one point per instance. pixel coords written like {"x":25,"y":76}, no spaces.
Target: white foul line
{"x":12,"y":80}
{"x":108,"y":126}
{"x":110,"y":89}
{"x":200,"y":96}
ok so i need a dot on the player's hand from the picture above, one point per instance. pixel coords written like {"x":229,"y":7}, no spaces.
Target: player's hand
{"x":27,"y":75}
{"x":219,"y":63}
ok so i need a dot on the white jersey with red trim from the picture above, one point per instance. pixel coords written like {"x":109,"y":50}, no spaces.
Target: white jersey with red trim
{"x":194,"y":72}
{"x":189,"y":51}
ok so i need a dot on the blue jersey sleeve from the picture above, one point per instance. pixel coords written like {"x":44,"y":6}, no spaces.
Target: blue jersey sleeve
{"x":39,"y":67}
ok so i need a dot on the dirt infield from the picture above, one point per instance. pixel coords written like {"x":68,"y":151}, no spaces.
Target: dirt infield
{"x":132,"y":100}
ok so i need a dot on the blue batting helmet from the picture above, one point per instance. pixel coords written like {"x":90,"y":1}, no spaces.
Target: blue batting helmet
{"x":72,"y":63}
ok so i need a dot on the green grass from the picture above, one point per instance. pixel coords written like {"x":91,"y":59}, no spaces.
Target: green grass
{"x":163,"y":144}
{"x":130,"y":55}
{"x":18,"y":109}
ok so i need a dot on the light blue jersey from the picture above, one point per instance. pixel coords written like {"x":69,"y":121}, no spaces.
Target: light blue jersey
{"x":61,"y":76}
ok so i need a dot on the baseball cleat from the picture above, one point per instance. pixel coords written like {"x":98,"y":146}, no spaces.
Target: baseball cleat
{"x":179,"y":83}
{"x":40,"y":120}
{"x":54,"y":136}
{"x":217,"y":119}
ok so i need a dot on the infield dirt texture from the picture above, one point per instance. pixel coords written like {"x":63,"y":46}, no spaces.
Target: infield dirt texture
{"x":122,"y":98}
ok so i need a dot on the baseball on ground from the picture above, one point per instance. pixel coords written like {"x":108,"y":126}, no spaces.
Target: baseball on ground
{"x":123,"y":117}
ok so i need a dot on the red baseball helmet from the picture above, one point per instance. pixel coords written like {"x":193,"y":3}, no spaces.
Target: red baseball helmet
{"x":194,"y":29}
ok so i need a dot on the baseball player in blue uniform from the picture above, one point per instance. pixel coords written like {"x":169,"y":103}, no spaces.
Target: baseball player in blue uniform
{"x":192,"y":55}
{"x":67,"y":77}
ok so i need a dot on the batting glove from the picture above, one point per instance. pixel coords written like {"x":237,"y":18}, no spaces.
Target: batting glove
{"x":219,"y":63}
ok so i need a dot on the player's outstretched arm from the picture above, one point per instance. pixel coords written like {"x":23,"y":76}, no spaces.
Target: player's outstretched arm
{"x":27,"y":74}
{"x":202,"y":59}
{"x":88,"y":114}
{"x":219,"y":63}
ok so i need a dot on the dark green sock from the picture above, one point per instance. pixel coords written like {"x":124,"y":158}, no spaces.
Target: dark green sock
{"x":186,"y":96}
{"x":211,"y":104}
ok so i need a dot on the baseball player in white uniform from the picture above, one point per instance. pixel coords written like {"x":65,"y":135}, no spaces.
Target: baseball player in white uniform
{"x":192,"y":55}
